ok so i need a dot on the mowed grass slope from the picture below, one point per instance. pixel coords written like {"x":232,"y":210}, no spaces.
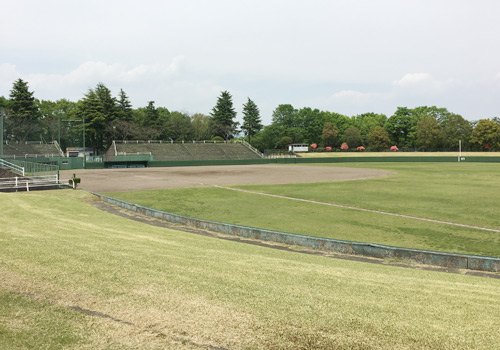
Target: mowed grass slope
{"x":151,"y":288}
{"x":465,"y":193}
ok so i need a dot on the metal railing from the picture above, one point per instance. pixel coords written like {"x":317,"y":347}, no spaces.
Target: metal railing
{"x":253,"y":148}
{"x":15,"y":168}
{"x":27,"y":183}
{"x":35,"y":169}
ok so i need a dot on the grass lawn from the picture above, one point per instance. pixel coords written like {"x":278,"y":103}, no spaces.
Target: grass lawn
{"x":464,"y":193}
{"x":397,"y":154}
{"x":152,"y":288}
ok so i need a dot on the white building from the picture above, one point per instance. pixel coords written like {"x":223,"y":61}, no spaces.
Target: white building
{"x":298,"y":147}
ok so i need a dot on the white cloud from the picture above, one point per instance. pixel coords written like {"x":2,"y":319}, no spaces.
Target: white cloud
{"x":423,"y":83}
{"x":8,"y":74}
{"x":141,"y":79}
{"x":352,"y":96}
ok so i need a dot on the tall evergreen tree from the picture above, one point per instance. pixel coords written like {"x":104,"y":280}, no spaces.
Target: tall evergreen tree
{"x":251,"y":119}
{"x":124,"y":107}
{"x":223,"y":115}
{"x":99,"y":109}
{"x":23,"y":123}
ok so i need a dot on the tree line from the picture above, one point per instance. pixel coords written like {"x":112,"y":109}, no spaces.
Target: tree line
{"x":107,"y":117}
{"x":409,"y":129}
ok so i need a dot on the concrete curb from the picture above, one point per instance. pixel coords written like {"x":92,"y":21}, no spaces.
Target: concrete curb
{"x":426,"y":257}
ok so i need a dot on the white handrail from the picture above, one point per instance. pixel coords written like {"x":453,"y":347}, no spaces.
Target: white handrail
{"x":11,"y":166}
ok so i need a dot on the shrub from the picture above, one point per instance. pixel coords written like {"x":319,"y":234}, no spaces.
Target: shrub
{"x":74,"y":181}
{"x":394,"y":148}
{"x":344,"y":146}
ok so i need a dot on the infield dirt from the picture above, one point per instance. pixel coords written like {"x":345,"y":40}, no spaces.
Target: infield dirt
{"x":134,"y":179}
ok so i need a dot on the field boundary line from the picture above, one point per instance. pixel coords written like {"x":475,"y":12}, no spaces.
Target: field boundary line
{"x":343,"y":206}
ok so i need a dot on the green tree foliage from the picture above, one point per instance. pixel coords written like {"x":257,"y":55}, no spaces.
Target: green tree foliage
{"x":352,"y":136}
{"x":429,"y":134}
{"x":268,"y":138}
{"x":23,"y":120}
{"x":433,"y":111}
{"x":486,"y":135}
{"x":179,"y":126}
{"x":151,"y":116}
{"x":311,"y":125}
{"x":124,"y":107}
{"x":378,"y":139}
{"x":367,"y":122}
{"x":107,"y":118}
{"x":402,"y":127}
{"x":152,"y":122}
{"x":99,"y":109}
{"x":341,"y":121}
{"x":251,"y":119}
{"x":223,"y":114}
{"x":60,"y":119}
{"x":455,"y":129}
{"x":329,"y":134}
{"x":289,"y":122}
{"x":200,"y":124}
{"x":284,"y":142}
{"x":286,"y":116}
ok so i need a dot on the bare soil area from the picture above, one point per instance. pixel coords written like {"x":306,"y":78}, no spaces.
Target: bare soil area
{"x":5,"y":173}
{"x":134,"y":179}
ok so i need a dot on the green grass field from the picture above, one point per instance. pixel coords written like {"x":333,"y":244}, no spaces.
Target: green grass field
{"x":154,"y":288}
{"x":464,"y":193}
{"x":397,"y":154}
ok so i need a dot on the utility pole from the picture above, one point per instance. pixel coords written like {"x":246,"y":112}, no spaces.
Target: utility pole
{"x":459,"y":150}
{"x":84,"y":155}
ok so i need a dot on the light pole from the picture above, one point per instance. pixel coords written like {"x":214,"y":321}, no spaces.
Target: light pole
{"x":83,"y":132}
{"x":84,"y":155}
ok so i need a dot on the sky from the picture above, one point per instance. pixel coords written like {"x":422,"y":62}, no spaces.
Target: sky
{"x":349,"y":57}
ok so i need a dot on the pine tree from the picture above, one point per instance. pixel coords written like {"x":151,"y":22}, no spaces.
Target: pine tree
{"x":251,"y":119}
{"x":223,"y":115}
{"x":100,"y":109}
{"x":24,"y":117}
{"x":124,"y":107}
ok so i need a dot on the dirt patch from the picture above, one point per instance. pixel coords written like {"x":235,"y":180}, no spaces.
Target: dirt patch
{"x":116,"y":180}
{"x":5,"y":173}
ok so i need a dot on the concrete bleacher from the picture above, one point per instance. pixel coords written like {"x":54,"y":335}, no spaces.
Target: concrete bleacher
{"x":31,"y":149}
{"x":175,"y":151}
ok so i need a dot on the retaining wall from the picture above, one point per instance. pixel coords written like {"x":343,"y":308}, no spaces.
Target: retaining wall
{"x":450,"y":260}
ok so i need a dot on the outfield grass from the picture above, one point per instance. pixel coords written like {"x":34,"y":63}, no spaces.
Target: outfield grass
{"x":158,"y":288}
{"x":464,"y":193}
{"x":397,"y":154}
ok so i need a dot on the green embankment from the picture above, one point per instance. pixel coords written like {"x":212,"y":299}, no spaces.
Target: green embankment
{"x":464,"y":193}
{"x":151,"y":288}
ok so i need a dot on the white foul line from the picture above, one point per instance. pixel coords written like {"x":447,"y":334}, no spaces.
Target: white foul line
{"x":361,"y":209}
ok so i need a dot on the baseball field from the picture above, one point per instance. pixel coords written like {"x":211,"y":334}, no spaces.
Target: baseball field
{"x":76,"y":277}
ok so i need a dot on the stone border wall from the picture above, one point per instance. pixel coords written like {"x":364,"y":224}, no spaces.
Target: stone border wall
{"x":450,"y":260}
